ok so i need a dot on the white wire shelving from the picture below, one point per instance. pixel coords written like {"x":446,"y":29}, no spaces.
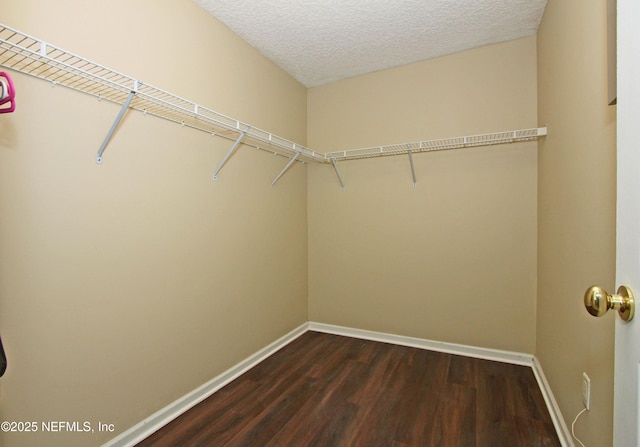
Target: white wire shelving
{"x":511,"y":136}
{"x":26,"y":54}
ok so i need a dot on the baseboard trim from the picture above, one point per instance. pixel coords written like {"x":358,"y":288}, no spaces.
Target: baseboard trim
{"x":554,"y":410}
{"x":144,"y":429}
{"x":516,"y":358}
{"x":162,"y":417}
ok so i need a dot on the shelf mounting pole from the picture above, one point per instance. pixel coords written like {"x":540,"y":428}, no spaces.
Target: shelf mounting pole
{"x":124,"y":108}
{"x":231,"y":151}
{"x":335,"y":167}
{"x":413,"y":170}
{"x":286,"y":168}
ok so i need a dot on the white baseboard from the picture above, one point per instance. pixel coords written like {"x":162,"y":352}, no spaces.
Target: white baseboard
{"x":554,"y":411}
{"x":516,"y":358}
{"x":162,"y":417}
{"x":144,"y":429}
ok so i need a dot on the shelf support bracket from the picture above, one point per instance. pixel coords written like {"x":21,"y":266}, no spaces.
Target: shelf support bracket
{"x":286,"y":168}
{"x":335,"y":167}
{"x":230,"y":153}
{"x":124,"y":108}
{"x":413,"y":169}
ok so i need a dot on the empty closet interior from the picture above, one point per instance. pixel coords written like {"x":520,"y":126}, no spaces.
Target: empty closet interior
{"x":173,"y":202}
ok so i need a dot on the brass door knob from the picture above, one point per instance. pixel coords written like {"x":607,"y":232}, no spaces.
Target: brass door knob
{"x":598,"y":302}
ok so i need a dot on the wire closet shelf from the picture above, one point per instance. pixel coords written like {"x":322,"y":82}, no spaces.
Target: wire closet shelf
{"x":29,"y":55}
{"x":26,"y":54}
{"x":511,"y":136}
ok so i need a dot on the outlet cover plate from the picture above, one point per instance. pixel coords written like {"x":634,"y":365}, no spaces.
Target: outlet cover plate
{"x":586,"y":390}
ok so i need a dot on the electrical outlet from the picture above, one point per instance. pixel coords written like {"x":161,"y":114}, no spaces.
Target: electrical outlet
{"x":586,"y":390}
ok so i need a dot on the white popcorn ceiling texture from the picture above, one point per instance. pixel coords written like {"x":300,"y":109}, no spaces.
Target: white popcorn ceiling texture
{"x":320,"y":41}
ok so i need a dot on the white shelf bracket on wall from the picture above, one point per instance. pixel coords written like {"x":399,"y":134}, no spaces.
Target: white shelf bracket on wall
{"x":470,"y":141}
{"x":29,"y":55}
{"x":413,"y":169}
{"x":230,"y":153}
{"x":124,"y":108}
{"x":335,"y":167}
{"x":285,"y":169}
{"x":34,"y":57}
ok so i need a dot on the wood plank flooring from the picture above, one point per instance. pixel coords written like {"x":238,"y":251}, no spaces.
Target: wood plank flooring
{"x":328,"y":390}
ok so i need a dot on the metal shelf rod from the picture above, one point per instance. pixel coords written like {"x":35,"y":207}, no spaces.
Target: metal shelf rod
{"x":124,"y":108}
{"x":230,"y":153}
{"x":413,"y":169}
{"x":286,"y":168}
{"x":335,"y":167}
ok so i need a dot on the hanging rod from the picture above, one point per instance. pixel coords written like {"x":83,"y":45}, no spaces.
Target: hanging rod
{"x":35,"y":57}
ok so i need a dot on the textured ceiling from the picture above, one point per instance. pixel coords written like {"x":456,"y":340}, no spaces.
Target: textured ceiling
{"x":320,"y":41}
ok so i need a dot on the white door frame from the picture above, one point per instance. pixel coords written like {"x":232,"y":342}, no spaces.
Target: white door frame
{"x":627,"y":344}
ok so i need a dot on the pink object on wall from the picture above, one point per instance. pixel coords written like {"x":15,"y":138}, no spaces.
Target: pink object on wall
{"x":7,"y":93}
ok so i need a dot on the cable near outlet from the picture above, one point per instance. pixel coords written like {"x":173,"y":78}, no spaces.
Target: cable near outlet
{"x":573,"y":431}
{"x":586,"y":400}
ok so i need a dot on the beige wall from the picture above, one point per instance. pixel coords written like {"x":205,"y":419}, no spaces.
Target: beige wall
{"x":453,"y":259}
{"x":127,"y":285}
{"x":576,"y":210}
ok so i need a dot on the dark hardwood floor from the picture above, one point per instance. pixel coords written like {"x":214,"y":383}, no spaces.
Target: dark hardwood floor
{"x":327,"y":390}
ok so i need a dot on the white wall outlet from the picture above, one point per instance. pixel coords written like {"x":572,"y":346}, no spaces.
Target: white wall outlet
{"x":586,"y":390}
